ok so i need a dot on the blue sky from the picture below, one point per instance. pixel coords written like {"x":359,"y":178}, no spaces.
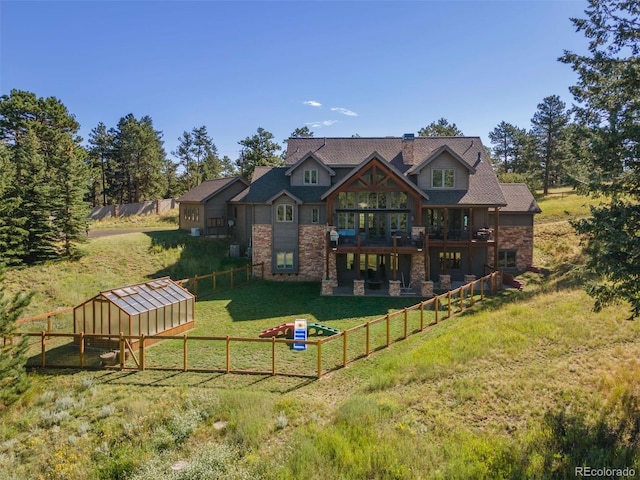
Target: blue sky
{"x":373,"y":68}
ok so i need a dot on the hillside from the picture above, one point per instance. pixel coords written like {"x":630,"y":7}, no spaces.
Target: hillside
{"x":526,"y":385}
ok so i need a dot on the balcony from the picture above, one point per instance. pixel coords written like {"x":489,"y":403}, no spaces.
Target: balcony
{"x":348,"y":241}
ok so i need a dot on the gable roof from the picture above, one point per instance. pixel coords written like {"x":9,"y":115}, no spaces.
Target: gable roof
{"x":209,"y":188}
{"x":350,"y":151}
{"x":417,"y":167}
{"x":306,"y":157}
{"x":519,"y":199}
{"x":373,"y":157}
{"x":269,"y":181}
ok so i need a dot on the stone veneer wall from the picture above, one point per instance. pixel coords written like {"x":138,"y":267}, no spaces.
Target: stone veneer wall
{"x":311,"y":252}
{"x":261,"y":235}
{"x":417,"y":269}
{"x":519,"y":238}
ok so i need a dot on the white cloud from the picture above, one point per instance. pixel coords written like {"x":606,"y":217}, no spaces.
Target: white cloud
{"x":312,"y":103}
{"x":324,"y":123}
{"x":344,"y":111}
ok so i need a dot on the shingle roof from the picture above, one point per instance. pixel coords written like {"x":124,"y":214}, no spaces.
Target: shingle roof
{"x":208,"y":189}
{"x":519,"y":199}
{"x":351,"y":151}
{"x":267,"y":181}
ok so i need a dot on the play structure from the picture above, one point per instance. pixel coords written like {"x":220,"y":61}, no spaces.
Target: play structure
{"x":285,"y":330}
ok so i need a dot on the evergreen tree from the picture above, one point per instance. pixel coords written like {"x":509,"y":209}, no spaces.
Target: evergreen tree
{"x":549,"y":123}
{"x":45,"y":197}
{"x":138,"y":161}
{"x":441,"y":128}
{"x":100,"y":150}
{"x":206,"y":155}
{"x":13,"y":376}
{"x":608,"y":131}
{"x":258,"y":150}
{"x":13,"y":235}
{"x":227,"y":167}
{"x":508,"y":141}
{"x":184,"y":153}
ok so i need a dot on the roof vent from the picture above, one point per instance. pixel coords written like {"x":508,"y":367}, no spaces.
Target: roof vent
{"x":408,"y":136}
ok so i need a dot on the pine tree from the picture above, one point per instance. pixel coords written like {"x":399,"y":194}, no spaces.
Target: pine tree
{"x":258,"y":150}
{"x":608,"y":132}
{"x":441,"y":128}
{"x":45,"y":197}
{"x":13,"y":376}
{"x":549,"y":123}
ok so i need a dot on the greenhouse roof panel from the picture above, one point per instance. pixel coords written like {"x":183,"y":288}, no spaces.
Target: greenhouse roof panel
{"x":143,"y":297}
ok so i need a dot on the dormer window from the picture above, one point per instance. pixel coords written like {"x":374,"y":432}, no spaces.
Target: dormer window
{"x":311,"y":177}
{"x":443,"y":178}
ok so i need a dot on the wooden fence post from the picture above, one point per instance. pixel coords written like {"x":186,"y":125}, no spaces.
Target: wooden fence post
{"x":273,"y":356}
{"x":246,"y":269}
{"x":184,"y":352}
{"x":421,"y":316}
{"x":81,"y":349}
{"x":122,"y":350}
{"x":319,"y":344}
{"x":461,"y":298}
{"x":482,"y":289}
{"x":43,"y":341}
{"x":471,"y":293}
{"x":232,"y":278}
{"x":367,"y":341}
{"x":406,"y":321}
{"x":215,"y":278}
{"x":142,"y":360}
{"x":436,"y":307}
{"x":195,"y":285}
{"x":449,"y":304}
{"x":228,"y":354}
{"x":344,"y":348}
{"x":388,"y":330}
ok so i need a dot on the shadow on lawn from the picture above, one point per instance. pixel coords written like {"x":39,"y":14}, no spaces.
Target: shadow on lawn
{"x":229,"y":381}
{"x":264,"y":299}
{"x":197,"y":255}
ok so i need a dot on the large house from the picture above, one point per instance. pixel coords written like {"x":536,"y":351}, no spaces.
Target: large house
{"x":384,"y":213}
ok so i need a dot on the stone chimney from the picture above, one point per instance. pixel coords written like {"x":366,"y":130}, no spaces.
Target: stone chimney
{"x":407,"y":148}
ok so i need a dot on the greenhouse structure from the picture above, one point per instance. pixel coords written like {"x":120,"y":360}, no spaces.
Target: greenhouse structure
{"x":156,"y":307}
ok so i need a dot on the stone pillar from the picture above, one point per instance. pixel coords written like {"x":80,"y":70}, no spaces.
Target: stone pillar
{"x":469,"y":278}
{"x":394,"y":288}
{"x":417,"y":269}
{"x":327,"y":287}
{"x":445,"y":282}
{"x":427,"y":288}
{"x":358,"y":287}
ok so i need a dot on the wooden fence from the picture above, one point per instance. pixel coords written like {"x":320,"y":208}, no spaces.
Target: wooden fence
{"x":266,"y":356}
{"x":192,"y":284}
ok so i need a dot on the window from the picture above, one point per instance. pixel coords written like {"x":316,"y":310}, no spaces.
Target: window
{"x":192,"y":214}
{"x":346,"y":221}
{"x":450,"y":261}
{"x":284,"y":213}
{"x":311,"y":177}
{"x":442,"y":178}
{"x":315,"y":215}
{"x":507,"y":259}
{"x":284,"y":260}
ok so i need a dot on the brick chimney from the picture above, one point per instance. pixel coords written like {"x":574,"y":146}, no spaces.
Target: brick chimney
{"x":407,"y":148}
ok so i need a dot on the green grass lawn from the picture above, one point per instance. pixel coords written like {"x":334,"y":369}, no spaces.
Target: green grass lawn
{"x":525,"y":385}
